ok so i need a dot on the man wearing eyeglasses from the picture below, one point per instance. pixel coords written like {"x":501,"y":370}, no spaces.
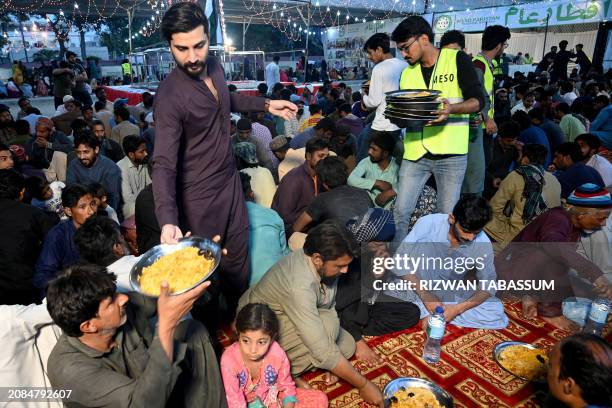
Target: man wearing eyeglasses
{"x":440,"y":148}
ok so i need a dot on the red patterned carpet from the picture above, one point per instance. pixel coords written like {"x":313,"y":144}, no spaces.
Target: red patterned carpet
{"x":466,"y":369}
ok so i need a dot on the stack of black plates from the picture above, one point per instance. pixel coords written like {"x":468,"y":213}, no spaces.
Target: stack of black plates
{"x":412,"y":107}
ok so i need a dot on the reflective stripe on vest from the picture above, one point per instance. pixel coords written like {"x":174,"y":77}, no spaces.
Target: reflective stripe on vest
{"x":451,"y":136}
{"x":127,"y":69}
{"x":488,"y":83}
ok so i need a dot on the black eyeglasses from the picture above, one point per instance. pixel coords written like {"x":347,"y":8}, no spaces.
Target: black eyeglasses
{"x":405,"y":48}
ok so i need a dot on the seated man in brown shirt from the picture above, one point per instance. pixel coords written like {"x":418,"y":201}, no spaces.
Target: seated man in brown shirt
{"x":110,"y":355}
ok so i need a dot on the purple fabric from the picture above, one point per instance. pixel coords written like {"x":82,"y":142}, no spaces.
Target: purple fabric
{"x":195,"y":181}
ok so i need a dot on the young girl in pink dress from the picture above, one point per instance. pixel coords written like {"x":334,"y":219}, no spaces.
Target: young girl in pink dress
{"x":255,"y":369}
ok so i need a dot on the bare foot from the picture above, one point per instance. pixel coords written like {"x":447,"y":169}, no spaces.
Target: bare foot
{"x":365,"y":353}
{"x":529,"y":307}
{"x":563,"y":323}
{"x":301,"y":383}
{"x":330,"y":379}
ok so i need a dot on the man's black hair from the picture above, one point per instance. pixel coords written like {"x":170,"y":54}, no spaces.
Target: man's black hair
{"x":571,"y":149}
{"x":386,"y":141}
{"x":232,"y":88}
{"x":563,"y":44}
{"x":131,"y":143}
{"x":262,"y":88}
{"x":346,"y":108}
{"x":78,"y":125}
{"x":316,"y":144}
{"x":32,"y":110}
{"x":587,"y":359}
{"x":22,"y":99}
{"x":356,"y":96}
{"x":314,"y":108}
{"x":35,"y":187}
{"x":285,"y":94}
{"x":413,"y":26}
{"x":277,"y":87}
{"x":326,"y":124}
{"x":97,"y":122}
{"x":381,"y":40}
{"x":590,"y":140}
{"x":72,"y":194}
{"x":536,"y":113}
{"x":603,"y":99}
{"x":122,"y":112}
{"x":22,"y":127}
{"x":86,"y":108}
{"x":522,"y":118}
{"x":276,"y":58}
{"x":11,"y":184}
{"x":451,"y":37}
{"x":99,"y":105}
{"x":87,"y":138}
{"x":182,"y":18}
{"x":74,"y":296}
{"x":563,"y":107}
{"x":96,"y":238}
{"x":472,"y":213}
{"x":97,"y":190}
{"x":493,"y":36}
{"x":332,"y":172}
{"x":536,"y":153}
{"x":70,"y":54}
{"x":331,"y":240}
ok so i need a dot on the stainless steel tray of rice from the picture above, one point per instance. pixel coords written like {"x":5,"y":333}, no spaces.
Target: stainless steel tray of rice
{"x":184,"y":266}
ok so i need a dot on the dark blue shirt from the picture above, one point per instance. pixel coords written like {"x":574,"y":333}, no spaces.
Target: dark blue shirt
{"x":575,"y":176}
{"x":301,"y":139}
{"x":554,"y":134}
{"x":58,"y":252}
{"x":536,"y":135}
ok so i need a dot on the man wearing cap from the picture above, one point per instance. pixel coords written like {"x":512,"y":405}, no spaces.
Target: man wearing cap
{"x":244,"y":133}
{"x":67,"y":100}
{"x":48,"y":150}
{"x":555,"y":234}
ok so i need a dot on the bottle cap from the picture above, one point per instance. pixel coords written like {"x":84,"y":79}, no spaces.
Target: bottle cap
{"x":439,"y":309}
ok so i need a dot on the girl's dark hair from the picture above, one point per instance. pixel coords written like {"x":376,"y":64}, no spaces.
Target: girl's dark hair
{"x":182,"y":18}
{"x":257,"y":316}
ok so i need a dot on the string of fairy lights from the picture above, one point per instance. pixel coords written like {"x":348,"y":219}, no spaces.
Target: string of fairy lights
{"x":286,"y":16}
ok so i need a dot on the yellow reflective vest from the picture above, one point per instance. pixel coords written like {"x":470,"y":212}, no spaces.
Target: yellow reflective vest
{"x":488,"y":83}
{"x":126,"y":67}
{"x":451,"y":136}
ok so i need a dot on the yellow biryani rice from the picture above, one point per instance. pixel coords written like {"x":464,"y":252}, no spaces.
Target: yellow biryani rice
{"x":524,"y":362}
{"x":413,"y":397}
{"x":181,"y":269}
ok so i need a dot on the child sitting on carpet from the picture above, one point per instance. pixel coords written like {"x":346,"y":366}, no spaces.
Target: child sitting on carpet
{"x":255,"y":369}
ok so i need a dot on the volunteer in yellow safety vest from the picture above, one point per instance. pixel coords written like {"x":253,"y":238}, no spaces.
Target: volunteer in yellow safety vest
{"x":494,"y":41}
{"x":441,"y":147}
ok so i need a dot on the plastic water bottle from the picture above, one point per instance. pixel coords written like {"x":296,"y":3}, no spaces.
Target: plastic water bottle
{"x":435,"y":331}
{"x":598,"y":317}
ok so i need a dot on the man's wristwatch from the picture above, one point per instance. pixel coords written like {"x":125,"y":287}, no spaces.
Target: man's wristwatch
{"x":267,"y":105}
